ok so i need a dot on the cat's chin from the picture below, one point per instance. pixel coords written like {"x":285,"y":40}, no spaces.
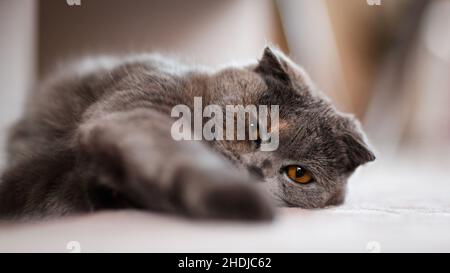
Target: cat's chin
{"x":281,"y":202}
{"x":289,"y":205}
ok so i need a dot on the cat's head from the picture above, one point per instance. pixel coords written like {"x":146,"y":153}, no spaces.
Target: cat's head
{"x":319,"y":147}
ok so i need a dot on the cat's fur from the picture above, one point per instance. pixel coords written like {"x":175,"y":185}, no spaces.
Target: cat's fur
{"x":99,"y":138}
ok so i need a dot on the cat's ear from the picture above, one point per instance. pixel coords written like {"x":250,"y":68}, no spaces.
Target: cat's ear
{"x":358,"y":151}
{"x":271,"y":64}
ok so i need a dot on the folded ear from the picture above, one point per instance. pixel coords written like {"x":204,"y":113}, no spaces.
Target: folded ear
{"x":357,"y":151}
{"x":272,"y":65}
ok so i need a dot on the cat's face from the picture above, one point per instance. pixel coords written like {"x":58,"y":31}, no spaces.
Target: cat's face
{"x":319,"y":148}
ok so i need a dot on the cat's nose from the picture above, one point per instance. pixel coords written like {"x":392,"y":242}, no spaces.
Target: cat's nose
{"x":256,"y":172}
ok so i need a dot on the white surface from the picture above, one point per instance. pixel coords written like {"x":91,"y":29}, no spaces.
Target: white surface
{"x":389,"y":209}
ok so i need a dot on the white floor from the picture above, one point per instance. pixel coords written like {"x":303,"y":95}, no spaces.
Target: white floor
{"x":389,"y":209}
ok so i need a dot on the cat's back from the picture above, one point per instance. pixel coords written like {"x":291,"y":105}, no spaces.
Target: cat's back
{"x":57,"y":106}
{"x":62,"y":98}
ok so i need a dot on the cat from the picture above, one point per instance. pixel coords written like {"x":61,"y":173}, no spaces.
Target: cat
{"x":96,"y":136}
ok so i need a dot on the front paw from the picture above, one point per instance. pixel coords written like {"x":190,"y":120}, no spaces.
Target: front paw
{"x":222,"y":194}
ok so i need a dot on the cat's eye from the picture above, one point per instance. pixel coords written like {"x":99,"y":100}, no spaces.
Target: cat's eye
{"x":299,"y":174}
{"x":257,"y":142}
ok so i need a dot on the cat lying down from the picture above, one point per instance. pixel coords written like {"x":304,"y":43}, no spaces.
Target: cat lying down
{"x":100,"y":136}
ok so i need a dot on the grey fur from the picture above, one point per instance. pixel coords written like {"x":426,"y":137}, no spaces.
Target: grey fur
{"x":100,"y":139}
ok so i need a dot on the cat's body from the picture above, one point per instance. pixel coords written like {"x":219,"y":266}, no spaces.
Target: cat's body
{"x":99,"y":138}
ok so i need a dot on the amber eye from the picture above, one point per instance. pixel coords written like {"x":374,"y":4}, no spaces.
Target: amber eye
{"x":299,"y":174}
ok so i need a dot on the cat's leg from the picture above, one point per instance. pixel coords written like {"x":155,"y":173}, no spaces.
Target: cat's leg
{"x":145,"y":164}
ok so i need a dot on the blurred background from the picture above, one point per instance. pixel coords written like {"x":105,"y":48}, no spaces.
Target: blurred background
{"x":388,"y":64}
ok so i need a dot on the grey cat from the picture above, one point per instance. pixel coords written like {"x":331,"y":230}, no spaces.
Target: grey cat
{"x":98,"y":137}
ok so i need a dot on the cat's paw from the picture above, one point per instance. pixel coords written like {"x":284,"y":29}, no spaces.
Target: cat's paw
{"x":224,"y":195}
{"x":238,"y":201}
